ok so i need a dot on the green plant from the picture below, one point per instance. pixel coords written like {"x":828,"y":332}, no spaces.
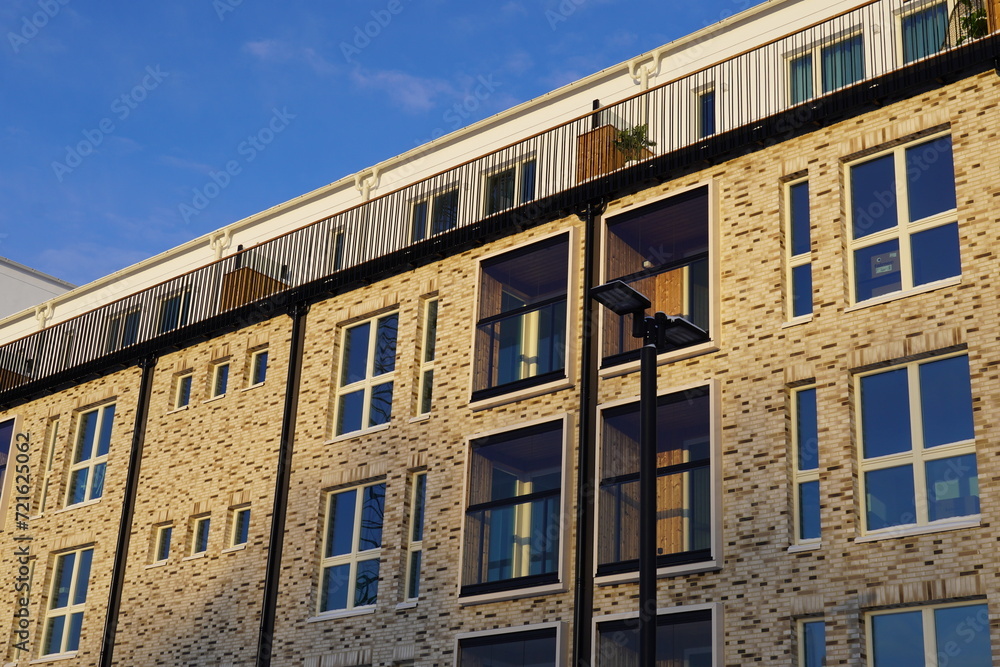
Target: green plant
{"x":633,"y":142}
{"x":972,"y":21}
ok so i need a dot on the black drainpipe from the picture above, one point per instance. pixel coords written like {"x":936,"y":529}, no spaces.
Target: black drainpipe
{"x":269,"y":607}
{"x":148,"y":366}
{"x":583,"y":608}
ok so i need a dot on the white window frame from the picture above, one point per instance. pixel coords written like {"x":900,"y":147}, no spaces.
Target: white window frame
{"x":517,"y":166}
{"x":256,"y":358}
{"x":237,"y":513}
{"x":718,"y":632}
{"x":92,"y":461}
{"x":7,"y":481}
{"x":801,"y":477}
{"x":792,"y":261}
{"x":415,"y":547}
{"x":903,"y":230}
{"x":70,"y":609}
{"x":916,"y":458}
{"x":559,"y":626}
{"x":217,"y":370}
{"x":431,"y":310}
{"x":430,"y":200}
{"x":815,"y":51}
{"x":931,"y":651}
{"x":115,"y":338}
{"x":183,"y":312}
{"x":699,"y":94}
{"x":370,"y":381}
{"x":800,"y":633}
{"x":196,"y":529}
{"x":179,"y":390}
{"x":51,"y":437}
{"x":354,"y":557}
{"x":161,"y":533}
{"x":715,"y":469}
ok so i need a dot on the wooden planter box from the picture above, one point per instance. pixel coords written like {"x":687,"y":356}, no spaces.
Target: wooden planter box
{"x":245,"y":285}
{"x":596,"y":153}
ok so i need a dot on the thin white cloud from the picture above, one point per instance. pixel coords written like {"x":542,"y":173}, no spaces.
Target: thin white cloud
{"x":181,"y":163}
{"x":273,"y":51}
{"x":413,"y":93}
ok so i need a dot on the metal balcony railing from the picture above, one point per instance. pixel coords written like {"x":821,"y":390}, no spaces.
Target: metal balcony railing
{"x":870,"y":54}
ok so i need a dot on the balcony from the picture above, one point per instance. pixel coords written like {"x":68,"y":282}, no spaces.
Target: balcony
{"x":878,"y":52}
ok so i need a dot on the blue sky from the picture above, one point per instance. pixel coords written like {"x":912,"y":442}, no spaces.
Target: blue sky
{"x":113,"y":114}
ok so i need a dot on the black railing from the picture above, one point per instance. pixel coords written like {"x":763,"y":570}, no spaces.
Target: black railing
{"x":759,"y":97}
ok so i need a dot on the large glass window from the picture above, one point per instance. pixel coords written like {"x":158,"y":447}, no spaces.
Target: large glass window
{"x":512,"y":523}
{"x":799,"y":249}
{"x":352,"y":548}
{"x":806,"y":457}
{"x":174,"y":311}
{"x":839,"y":64}
{"x":521,"y":332}
{"x":533,"y":648}
{"x":903,"y":219}
{"x":123,"y":330}
{"x":683,"y":639}
{"x":661,"y":250}
{"x":931,"y":637}
{"x":924,"y":31}
{"x":367,"y":368}
{"x":67,"y":601}
{"x":918,"y":453}
{"x":90,"y":455}
{"x":434,"y":215}
{"x":510,"y":186}
{"x":683,"y":485}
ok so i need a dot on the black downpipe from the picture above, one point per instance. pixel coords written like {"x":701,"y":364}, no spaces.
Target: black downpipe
{"x":583,"y":608}
{"x":148,"y":366}
{"x":269,"y":606}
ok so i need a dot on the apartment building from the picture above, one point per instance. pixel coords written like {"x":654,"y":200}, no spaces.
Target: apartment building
{"x":385,"y":423}
{"x":22,"y":287}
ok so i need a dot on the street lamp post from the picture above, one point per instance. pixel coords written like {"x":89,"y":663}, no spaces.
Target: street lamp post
{"x":658,"y":333}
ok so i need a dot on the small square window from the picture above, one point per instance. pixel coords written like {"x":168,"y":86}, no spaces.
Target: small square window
{"x":510,"y":186}
{"x":258,"y":368}
{"x":123,"y":330}
{"x":182,"y":392}
{"x":220,"y":379}
{"x":241,"y":526}
{"x":174,"y":311}
{"x":199,"y":535}
{"x":434,"y":215}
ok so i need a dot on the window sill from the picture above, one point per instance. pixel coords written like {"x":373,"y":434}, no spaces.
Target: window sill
{"x":419,"y":418}
{"x":661,"y":573}
{"x":234,"y":548}
{"x":85,"y":503}
{"x":409,"y":604}
{"x":805,"y":546}
{"x":515,"y":594}
{"x":159,"y":563}
{"x":910,"y":531}
{"x":796,"y":321}
{"x":176,"y":410}
{"x":194,"y":556}
{"x":520,"y":395}
{"x":53,"y":658}
{"x":342,"y":613}
{"x":253,"y":386}
{"x":358,"y":434}
{"x":214,"y":398}
{"x":902,"y":294}
{"x":661,"y":359}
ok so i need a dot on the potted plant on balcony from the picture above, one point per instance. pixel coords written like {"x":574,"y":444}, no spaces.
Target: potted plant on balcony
{"x":634,"y":142}
{"x":973,"y":22}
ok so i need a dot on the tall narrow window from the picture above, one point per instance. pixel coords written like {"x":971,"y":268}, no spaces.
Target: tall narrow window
{"x":6,"y":445}
{"x":930,"y":636}
{"x":806,"y":461}
{"x":50,"y":454}
{"x":706,"y":113}
{"x":258,"y":368}
{"x":801,"y":78}
{"x":174,"y":311}
{"x":415,"y":546}
{"x":917,"y":444}
{"x":240,"y":527}
{"x":799,"y":258}
{"x":161,"y":549}
{"x":182,"y":392}
{"x":684,"y":483}
{"x":352,"y":548}
{"x":924,"y":31}
{"x":123,"y":330}
{"x":67,"y":602}
{"x":220,"y":379}
{"x":434,"y":215}
{"x":425,"y":388}
{"x":90,"y":455}
{"x":368,"y":363}
{"x":199,"y":534}
{"x":521,"y":332}
{"x":682,"y":638}
{"x":904,"y":225}
{"x":812,"y":644}
{"x":511,"y":186}
{"x":512,"y":523}
{"x":662,"y":250}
